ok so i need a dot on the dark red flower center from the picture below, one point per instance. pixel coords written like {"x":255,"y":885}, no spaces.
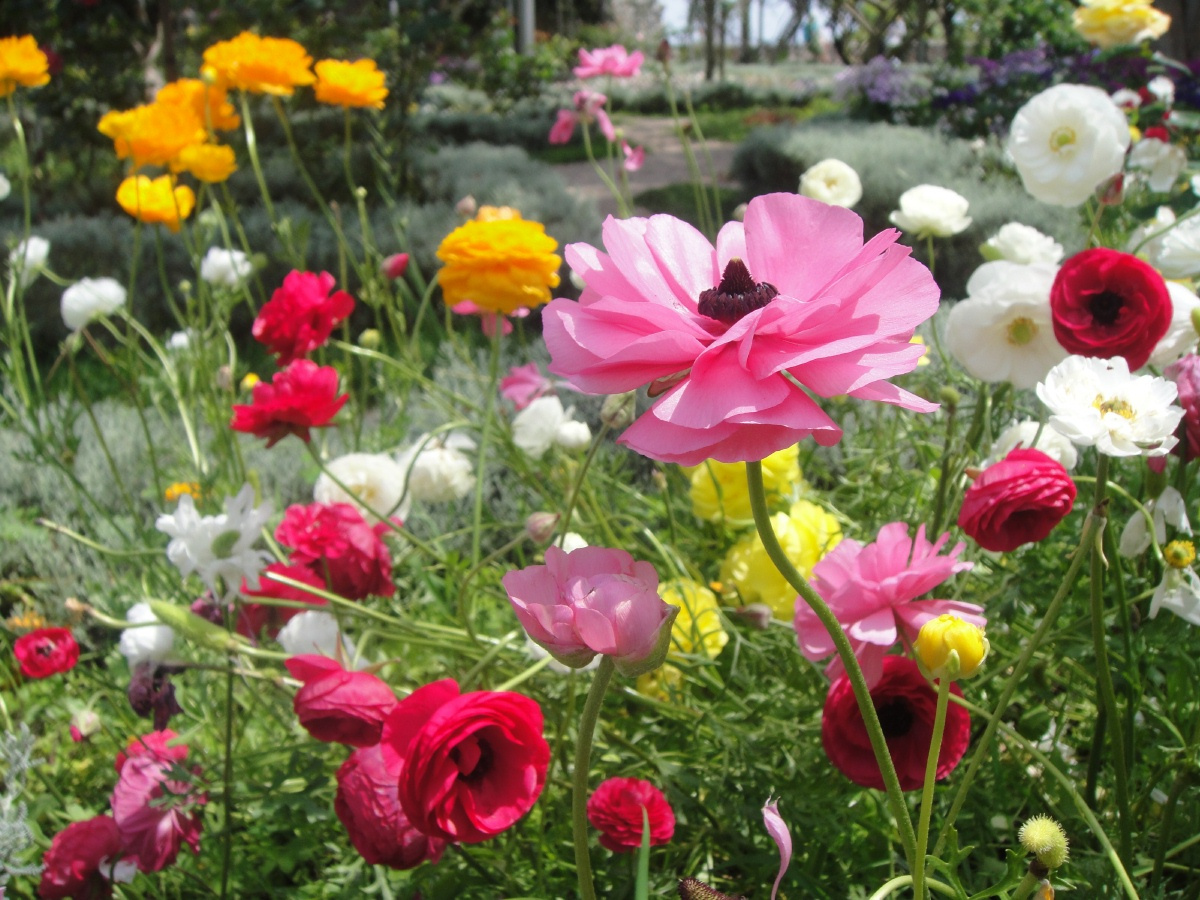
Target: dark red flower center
{"x":1105,"y":307}
{"x":895,"y":717}
{"x":473,"y":758}
{"x":737,"y":295}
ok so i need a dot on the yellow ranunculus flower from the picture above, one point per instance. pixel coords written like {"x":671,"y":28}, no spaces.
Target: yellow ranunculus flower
{"x":1115,"y":23}
{"x":153,"y":134}
{"x":156,"y":201}
{"x":720,"y":492}
{"x":949,"y":647}
{"x":210,"y":102}
{"x":341,"y":83}
{"x":663,"y":683}
{"x":698,"y":628}
{"x":261,"y":65}
{"x":498,"y":264}
{"x":212,"y":163}
{"x":806,"y":532}
{"x":22,"y":64}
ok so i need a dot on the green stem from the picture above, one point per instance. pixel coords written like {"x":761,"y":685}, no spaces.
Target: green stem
{"x":931,"y":762}
{"x":895,"y":797}
{"x":1027,"y":886}
{"x":252,"y":151}
{"x":227,"y":787}
{"x":577,"y":485}
{"x":623,"y":211}
{"x":489,"y":407}
{"x":579,"y":783}
{"x":900,"y":881}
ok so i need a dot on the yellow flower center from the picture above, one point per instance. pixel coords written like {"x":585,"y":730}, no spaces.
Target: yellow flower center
{"x":1062,"y":138}
{"x":179,"y":488}
{"x":1021,"y":331}
{"x":1179,"y":554}
{"x":1118,"y":406}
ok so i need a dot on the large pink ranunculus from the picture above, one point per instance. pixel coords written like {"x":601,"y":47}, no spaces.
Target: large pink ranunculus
{"x":336,"y":704}
{"x":1016,"y":501}
{"x":593,"y":600}
{"x":735,"y":337}
{"x":615,"y":61}
{"x":156,"y":810}
{"x":873,"y":591}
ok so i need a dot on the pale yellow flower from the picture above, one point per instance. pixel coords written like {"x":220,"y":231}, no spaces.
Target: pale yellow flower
{"x":950,"y":647}
{"x":720,"y":493}
{"x":698,"y":629}
{"x":664,"y":683}
{"x":1116,"y":23}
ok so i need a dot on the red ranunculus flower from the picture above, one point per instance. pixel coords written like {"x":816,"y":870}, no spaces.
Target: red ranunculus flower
{"x":1105,"y":303}
{"x":46,"y":652}
{"x":336,"y":542}
{"x":368,"y":807}
{"x":906,"y":703}
{"x":1016,"y":501}
{"x":1186,"y":375}
{"x":78,"y":859}
{"x":615,"y":809}
{"x":156,"y":809}
{"x":473,"y":763}
{"x":339,"y":705}
{"x":302,"y":396}
{"x":254,"y":618}
{"x":301,"y":315}
{"x":156,"y":743}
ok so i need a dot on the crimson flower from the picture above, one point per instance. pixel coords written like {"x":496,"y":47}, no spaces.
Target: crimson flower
{"x":336,"y":704}
{"x":46,"y":652}
{"x":473,"y":764}
{"x":1105,"y":303}
{"x":302,"y":396}
{"x":615,"y":809}
{"x":255,"y":618}
{"x":79,"y":858}
{"x":156,"y":809}
{"x":301,"y":315}
{"x":906,"y":704}
{"x":1016,"y":501}
{"x":334,"y":541}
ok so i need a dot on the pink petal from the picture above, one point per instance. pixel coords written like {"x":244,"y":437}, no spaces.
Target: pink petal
{"x":778,"y":830}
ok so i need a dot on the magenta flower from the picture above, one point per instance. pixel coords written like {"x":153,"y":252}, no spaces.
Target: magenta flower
{"x":735,"y":337}
{"x":593,"y":600}
{"x":873,"y":591}
{"x":614,"y":61}
{"x":634,"y":156}
{"x":589,"y":108}
{"x":156,"y":811}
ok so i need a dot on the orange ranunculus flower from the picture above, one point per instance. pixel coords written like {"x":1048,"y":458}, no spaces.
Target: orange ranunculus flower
{"x":209,"y":101}
{"x":348,"y":84}
{"x":261,"y":65}
{"x":157,"y":200}
{"x":22,"y":64}
{"x":498,"y":263}
{"x":153,"y":134}
{"x":207,"y":162}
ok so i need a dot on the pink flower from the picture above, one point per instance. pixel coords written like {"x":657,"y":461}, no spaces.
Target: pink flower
{"x":873,"y":591}
{"x":156,"y":809}
{"x":615,"y":809}
{"x":338,"y":705}
{"x":394,"y":266}
{"x":721,"y":332}
{"x":302,"y":396}
{"x":778,"y":830}
{"x":156,"y":743}
{"x":589,"y":108}
{"x":614,"y":61}
{"x":593,"y":600}
{"x":524,"y":384}
{"x":334,"y":541}
{"x":564,"y":127}
{"x":634,"y":156}
{"x":1186,"y":375}
{"x":488,"y":318}
{"x":301,"y":315}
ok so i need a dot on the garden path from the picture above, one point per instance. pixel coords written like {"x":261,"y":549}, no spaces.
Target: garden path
{"x":665,"y":163}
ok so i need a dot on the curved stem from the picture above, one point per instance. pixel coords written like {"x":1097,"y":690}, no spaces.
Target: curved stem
{"x":935,"y":750}
{"x":895,"y":797}
{"x":900,"y":881}
{"x":579,"y":781}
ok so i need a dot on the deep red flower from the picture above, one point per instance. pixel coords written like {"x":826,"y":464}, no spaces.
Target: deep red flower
{"x":473,"y":764}
{"x":368,"y":806}
{"x":78,"y":857}
{"x":1016,"y":501}
{"x":301,"y":315}
{"x":1105,"y":303}
{"x":302,"y":396}
{"x":255,"y":618}
{"x":336,"y":542}
{"x":906,"y":703}
{"x":336,"y":704}
{"x":46,"y":652}
{"x":615,"y":809}
{"x":156,"y":809}
{"x":1186,"y":375}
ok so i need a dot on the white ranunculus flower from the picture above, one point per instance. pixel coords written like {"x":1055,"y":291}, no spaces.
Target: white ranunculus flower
{"x":1179,"y":592}
{"x":832,"y":181}
{"x":179,"y":340}
{"x":91,"y":298}
{"x":1146,"y":240}
{"x":1034,"y":435}
{"x":5,"y":187}
{"x":150,"y":641}
{"x":572,"y":435}
{"x":543,"y":423}
{"x":1067,"y":141}
{"x":375,"y":482}
{"x":27,"y":259}
{"x":1163,"y":89}
{"x":1163,"y":162}
{"x":218,"y":548}
{"x":438,"y":470}
{"x":572,"y":540}
{"x":228,"y":268}
{"x":1177,"y":252}
{"x":1022,"y":244}
{"x":314,"y":631}
{"x":1003,"y":330}
{"x":1168,"y":508}
{"x":1180,"y":338}
{"x":1096,"y":402}
{"x":931,"y":210}
{"x":1127,"y":99}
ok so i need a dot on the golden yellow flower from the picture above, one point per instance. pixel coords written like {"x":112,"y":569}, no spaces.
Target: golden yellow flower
{"x":720,"y":492}
{"x":698,"y":628}
{"x":949,"y":647}
{"x":212,"y":163}
{"x":1115,"y":23}
{"x":1179,"y":554}
{"x":499,"y":264}
{"x":27,"y":620}
{"x":210,"y":102}
{"x":153,"y":134}
{"x":156,"y":201}
{"x":341,"y":83}
{"x":22,"y":64}
{"x":806,"y":532}
{"x":179,"y":488}
{"x":261,"y":65}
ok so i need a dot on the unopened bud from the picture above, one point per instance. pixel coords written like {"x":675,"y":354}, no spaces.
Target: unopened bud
{"x":1045,"y":839}
{"x":370,"y":339}
{"x":249,"y":381}
{"x":394,"y":266}
{"x":949,"y":398}
{"x":360,"y":193}
{"x":224,"y":378}
{"x":192,"y":627}
{"x":1195,"y":317}
{"x":757,"y":615}
{"x":84,"y":724}
{"x":619,"y":410}
{"x":663,"y":53}
{"x":466,"y":207}
{"x":949,"y":647}
{"x":1112,"y":192}
{"x":739,"y":212}
{"x":540,"y":526}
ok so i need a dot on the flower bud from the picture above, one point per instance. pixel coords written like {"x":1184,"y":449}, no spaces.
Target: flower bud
{"x":466,"y":207}
{"x":663,"y":53}
{"x":949,"y":398}
{"x":84,"y":724}
{"x":1045,"y":839}
{"x":191,"y":626}
{"x":540,"y":526}
{"x":757,"y":615}
{"x":949,"y":647}
{"x":249,"y":381}
{"x":370,"y":339}
{"x":619,"y":410}
{"x":224,"y":378}
{"x":1195,"y":317}
{"x":1112,"y":192}
{"x":394,"y":266}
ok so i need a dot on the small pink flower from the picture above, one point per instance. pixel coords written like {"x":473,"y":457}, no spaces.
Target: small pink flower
{"x":634,"y":156}
{"x":156,"y":810}
{"x":778,"y":830}
{"x":615,"y":61}
{"x":524,"y":384}
{"x":488,"y":318}
{"x":590,"y":105}
{"x":563,"y":127}
{"x":873,"y":591}
{"x":1016,"y":501}
{"x":1186,"y":375}
{"x":334,"y":541}
{"x":394,"y":266}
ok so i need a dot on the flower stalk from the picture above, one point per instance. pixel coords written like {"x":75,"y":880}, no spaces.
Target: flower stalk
{"x":579,"y":782}
{"x":935,"y":749}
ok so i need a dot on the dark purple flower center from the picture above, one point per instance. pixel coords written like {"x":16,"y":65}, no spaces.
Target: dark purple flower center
{"x":737,"y":295}
{"x":895,"y":717}
{"x":1105,"y":307}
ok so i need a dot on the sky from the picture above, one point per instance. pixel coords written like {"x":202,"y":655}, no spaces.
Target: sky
{"x":775,"y":15}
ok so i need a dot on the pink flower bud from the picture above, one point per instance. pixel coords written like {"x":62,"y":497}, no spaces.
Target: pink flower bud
{"x":394,"y":266}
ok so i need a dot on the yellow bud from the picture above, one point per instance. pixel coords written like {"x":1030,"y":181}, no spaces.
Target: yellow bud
{"x":370,"y":339}
{"x":1179,"y":554}
{"x":249,"y":381}
{"x":949,"y":647}
{"x":1045,"y":839}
